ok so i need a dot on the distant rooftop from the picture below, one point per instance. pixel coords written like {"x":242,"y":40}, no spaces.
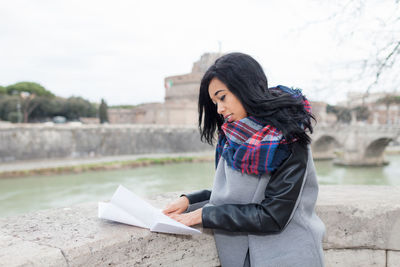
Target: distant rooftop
{"x":205,"y":61}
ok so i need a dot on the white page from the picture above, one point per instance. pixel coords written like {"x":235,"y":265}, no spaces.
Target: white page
{"x":167,"y":225}
{"x":126,"y":207}
{"x":172,"y":229}
{"x":134,"y":205}
{"x":111,"y":212}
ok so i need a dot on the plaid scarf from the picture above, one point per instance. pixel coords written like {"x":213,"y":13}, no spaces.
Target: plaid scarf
{"x":251,"y":147}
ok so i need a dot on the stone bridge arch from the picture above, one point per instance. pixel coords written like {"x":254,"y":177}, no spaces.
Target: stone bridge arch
{"x":374,"y":151}
{"x":358,"y":144}
{"x":324,"y":147}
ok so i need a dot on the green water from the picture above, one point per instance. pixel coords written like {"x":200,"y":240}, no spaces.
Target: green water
{"x":20,"y":195}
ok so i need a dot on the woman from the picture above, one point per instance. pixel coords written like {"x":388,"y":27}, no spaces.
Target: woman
{"x":262,"y":203}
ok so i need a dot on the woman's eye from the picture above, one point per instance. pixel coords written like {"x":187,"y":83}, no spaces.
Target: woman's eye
{"x":222,"y":98}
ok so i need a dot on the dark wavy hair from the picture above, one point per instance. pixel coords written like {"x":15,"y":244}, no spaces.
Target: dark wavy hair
{"x":245,"y":78}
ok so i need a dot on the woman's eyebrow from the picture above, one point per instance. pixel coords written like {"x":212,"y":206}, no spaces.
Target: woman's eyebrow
{"x":216,"y":93}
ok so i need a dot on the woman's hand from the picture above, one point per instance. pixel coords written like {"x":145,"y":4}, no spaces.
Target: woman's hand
{"x":189,"y":219}
{"x":177,"y":207}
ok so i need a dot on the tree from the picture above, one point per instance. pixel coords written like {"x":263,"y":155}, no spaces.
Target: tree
{"x":343,"y":114}
{"x":14,"y":116}
{"x":3,"y":90}
{"x":49,"y":108}
{"x":29,"y":93}
{"x":372,"y":29}
{"x":77,"y":107}
{"x":389,"y":100}
{"x":362,"y":113}
{"x":33,"y":102}
{"x":103,"y":112}
{"x":9,"y":104}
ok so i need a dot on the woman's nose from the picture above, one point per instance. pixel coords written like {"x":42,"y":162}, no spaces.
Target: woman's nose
{"x":220,"y":108}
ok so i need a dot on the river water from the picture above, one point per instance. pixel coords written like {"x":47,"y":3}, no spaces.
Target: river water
{"x":20,"y":195}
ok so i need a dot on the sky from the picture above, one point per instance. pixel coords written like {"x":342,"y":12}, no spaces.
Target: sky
{"x":122,"y":50}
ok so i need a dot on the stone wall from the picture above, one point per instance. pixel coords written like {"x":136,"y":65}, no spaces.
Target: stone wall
{"x":362,"y":222}
{"x":26,"y":142}
{"x":183,"y":87}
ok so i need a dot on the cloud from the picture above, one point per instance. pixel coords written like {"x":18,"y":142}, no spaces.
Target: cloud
{"x":122,"y":50}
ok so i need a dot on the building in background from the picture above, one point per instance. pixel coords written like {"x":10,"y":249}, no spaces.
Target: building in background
{"x":180,"y":105}
{"x":384,"y":108}
{"x":318,"y":109}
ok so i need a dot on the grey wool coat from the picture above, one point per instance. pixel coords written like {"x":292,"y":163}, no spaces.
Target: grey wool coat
{"x":298,"y":244}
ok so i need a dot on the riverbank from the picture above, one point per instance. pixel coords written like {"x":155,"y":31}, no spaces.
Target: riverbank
{"x":64,"y":166}
{"x":392,"y":150}
{"x":61,"y":166}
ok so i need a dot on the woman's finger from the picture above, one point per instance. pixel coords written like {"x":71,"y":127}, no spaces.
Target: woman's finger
{"x":182,"y":218}
{"x":169,"y":208}
{"x":174,"y":216}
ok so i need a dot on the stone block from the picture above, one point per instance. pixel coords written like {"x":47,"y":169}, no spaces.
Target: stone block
{"x":393,"y":258}
{"x":355,"y":258}
{"x":86,"y":240}
{"x":360,"y":216}
{"x":17,"y":252}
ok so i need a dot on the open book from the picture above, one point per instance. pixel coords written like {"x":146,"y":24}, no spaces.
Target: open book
{"x":126,"y":207}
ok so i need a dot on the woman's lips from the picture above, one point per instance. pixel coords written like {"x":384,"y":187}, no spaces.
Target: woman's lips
{"x":228,"y":118}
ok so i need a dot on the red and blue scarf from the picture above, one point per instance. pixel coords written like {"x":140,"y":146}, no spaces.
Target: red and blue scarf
{"x":252,"y":147}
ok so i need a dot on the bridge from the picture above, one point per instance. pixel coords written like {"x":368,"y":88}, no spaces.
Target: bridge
{"x":353,"y":144}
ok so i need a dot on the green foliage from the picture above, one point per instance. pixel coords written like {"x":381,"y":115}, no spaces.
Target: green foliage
{"x":8,"y":104}
{"x":123,"y":106}
{"x":30,"y":87}
{"x":103,"y":114}
{"x":76,"y":107}
{"x":40,"y":104}
{"x":48,"y":108}
{"x":15,"y":116}
{"x":105,"y":166}
{"x":29,"y":94}
{"x":389,"y":100}
{"x":343,"y":114}
{"x":3,"y":90}
{"x":330,"y":109}
{"x":362,"y":113}
{"x":72,"y":108}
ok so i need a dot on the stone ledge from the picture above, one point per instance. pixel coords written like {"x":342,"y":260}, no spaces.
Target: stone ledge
{"x":360,"y":216}
{"x":393,"y":258}
{"x":355,"y":257}
{"x":15,"y":251}
{"x":75,"y":235}
{"x":361,"y":221}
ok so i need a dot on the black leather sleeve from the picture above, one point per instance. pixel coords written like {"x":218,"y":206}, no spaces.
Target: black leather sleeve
{"x":198,"y":196}
{"x":274,"y":212}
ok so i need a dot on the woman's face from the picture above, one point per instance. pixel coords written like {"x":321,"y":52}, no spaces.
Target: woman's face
{"x":228,"y":105}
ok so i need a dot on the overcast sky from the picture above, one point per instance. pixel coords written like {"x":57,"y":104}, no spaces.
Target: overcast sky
{"x":122,"y":50}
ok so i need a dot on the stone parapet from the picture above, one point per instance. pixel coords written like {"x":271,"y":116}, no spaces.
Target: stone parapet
{"x":362,"y":222}
{"x":361,"y":216}
{"x":32,"y":142}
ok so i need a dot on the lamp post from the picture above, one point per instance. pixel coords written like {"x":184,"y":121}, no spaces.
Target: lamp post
{"x":19,"y":111}
{"x":26,"y":97}
{"x":19,"y":116}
